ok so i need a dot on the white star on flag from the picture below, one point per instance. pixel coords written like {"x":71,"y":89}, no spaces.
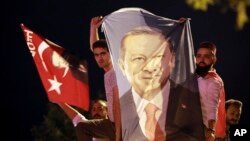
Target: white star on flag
{"x":55,"y":85}
{"x":55,"y":62}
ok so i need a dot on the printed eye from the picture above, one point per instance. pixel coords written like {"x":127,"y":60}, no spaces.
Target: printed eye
{"x":160,"y":56}
{"x":138,"y":59}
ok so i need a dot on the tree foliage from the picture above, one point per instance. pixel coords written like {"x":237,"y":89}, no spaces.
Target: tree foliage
{"x":55,"y":127}
{"x":239,"y":6}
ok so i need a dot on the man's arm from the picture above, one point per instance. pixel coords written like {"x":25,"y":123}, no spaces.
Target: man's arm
{"x":213,"y":96}
{"x":94,"y":25}
{"x":117,"y":113}
{"x":213,"y":102}
{"x":72,"y":113}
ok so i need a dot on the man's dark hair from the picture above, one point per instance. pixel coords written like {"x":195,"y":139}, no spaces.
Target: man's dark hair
{"x":209,"y":45}
{"x":234,"y":102}
{"x":101,"y":44}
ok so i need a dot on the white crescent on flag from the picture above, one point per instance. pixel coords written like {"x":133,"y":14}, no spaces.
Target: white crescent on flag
{"x":63,"y":75}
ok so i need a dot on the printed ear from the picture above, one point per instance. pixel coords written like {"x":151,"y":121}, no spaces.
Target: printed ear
{"x":173,"y":60}
{"x":121,"y":65}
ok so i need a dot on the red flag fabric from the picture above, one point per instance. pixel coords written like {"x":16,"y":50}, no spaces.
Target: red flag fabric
{"x":220,"y":125}
{"x":64,"y":77}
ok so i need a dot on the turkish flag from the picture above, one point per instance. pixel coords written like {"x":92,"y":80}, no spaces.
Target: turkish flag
{"x":64,"y":76}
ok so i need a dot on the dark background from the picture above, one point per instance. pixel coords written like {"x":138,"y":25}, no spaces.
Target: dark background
{"x":65,"y":22}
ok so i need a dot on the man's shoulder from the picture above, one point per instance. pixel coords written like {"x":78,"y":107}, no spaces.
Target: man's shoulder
{"x":110,"y":78}
{"x":126,"y":95}
{"x":110,"y":72}
{"x":190,"y":84}
{"x":215,"y":77}
{"x":126,"y":98}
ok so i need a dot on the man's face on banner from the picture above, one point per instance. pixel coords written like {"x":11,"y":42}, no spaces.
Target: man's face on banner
{"x":147,"y":63}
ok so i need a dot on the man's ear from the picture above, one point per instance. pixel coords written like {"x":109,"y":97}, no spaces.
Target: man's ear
{"x":214,"y":60}
{"x":121,"y":66}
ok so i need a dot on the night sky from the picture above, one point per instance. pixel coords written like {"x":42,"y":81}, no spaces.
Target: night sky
{"x":67,"y":22}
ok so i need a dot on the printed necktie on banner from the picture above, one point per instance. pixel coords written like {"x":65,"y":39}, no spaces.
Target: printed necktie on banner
{"x":152,"y":127}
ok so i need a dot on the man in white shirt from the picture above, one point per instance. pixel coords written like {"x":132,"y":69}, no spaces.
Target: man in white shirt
{"x":212,"y":93}
{"x":110,"y":128}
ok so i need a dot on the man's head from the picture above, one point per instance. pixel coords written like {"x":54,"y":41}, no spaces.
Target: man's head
{"x":146,"y":58}
{"x":99,"y":109}
{"x":233,"y":111}
{"x":101,"y":53}
{"x":205,"y":58}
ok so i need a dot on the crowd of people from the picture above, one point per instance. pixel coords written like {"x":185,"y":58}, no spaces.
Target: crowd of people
{"x":113,"y":120}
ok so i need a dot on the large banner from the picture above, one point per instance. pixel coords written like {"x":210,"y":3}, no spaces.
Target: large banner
{"x":153,"y":58}
{"x":64,"y":76}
